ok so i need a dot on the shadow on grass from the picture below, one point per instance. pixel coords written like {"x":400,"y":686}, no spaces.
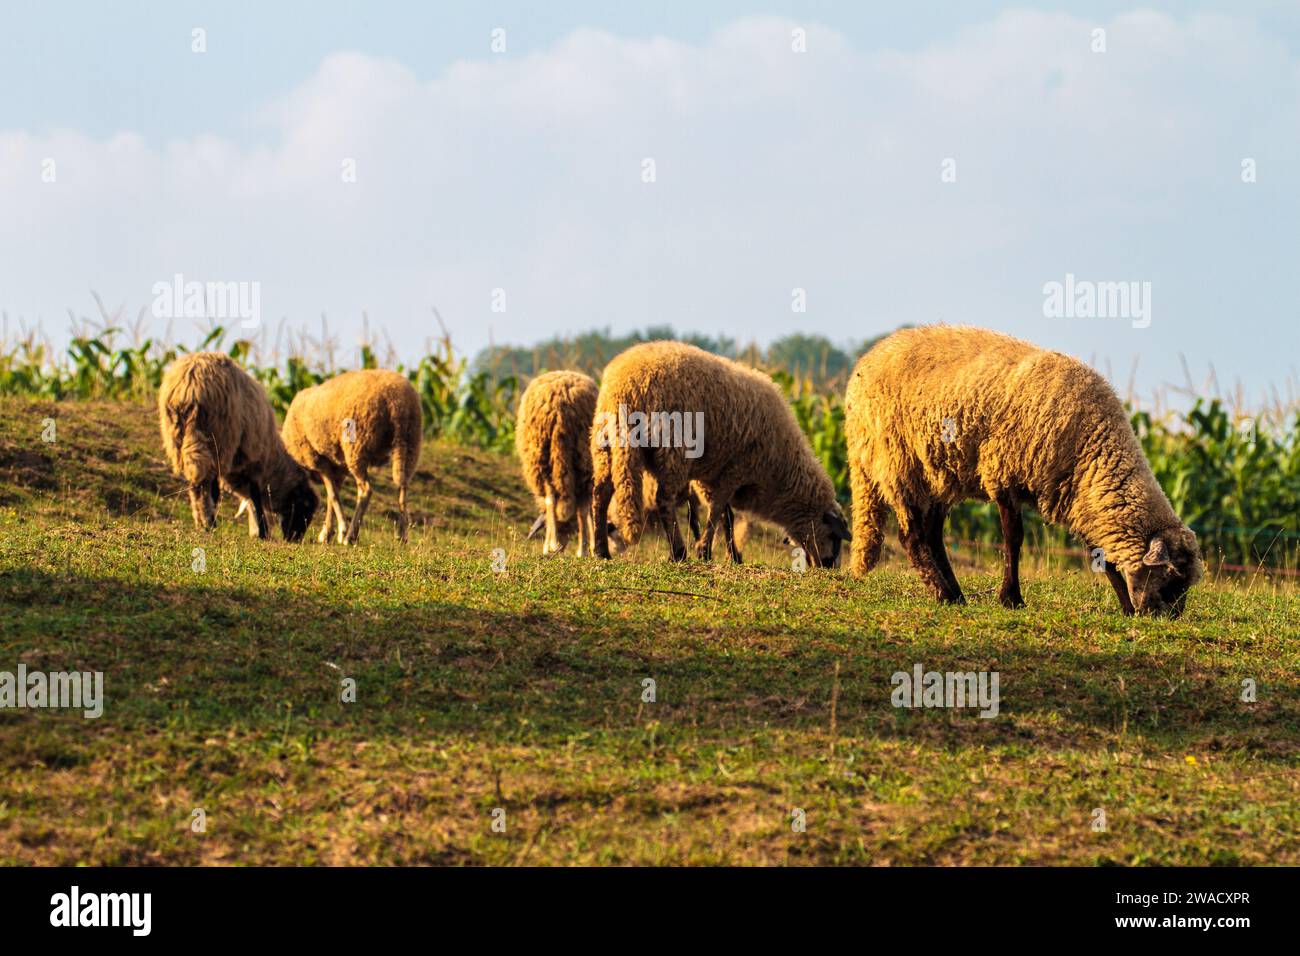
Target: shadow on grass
{"x":207,"y":659}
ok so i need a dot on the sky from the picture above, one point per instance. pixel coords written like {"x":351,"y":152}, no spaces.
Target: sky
{"x":731,"y":168}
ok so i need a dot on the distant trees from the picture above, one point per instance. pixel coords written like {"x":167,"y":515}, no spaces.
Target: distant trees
{"x":813,"y":357}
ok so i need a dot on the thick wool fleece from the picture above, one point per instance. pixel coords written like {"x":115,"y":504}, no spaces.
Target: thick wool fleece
{"x":753,"y":454}
{"x":939,"y":414}
{"x":553,"y":440}
{"x":349,"y":424}
{"x":218,"y":429}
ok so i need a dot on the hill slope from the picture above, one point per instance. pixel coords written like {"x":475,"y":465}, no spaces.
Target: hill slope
{"x":524,"y":691}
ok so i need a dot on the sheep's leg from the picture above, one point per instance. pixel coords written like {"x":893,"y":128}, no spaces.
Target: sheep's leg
{"x":403,"y":517}
{"x":719,"y":509}
{"x":363,"y":502}
{"x":602,"y":492}
{"x":729,"y":524}
{"x":1121,"y":589}
{"x":584,"y":531}
{"x":341,"y":522}
{"x":1013,"y":535}
{"x":254,"y":528}
{"x":693,"y":516}
{"x":868,"y":520}
{"x":934,"y":520}
{"x":332,"y":510}
{"x":257,"y":523}
{"x":552,"y":543}
{"x":912,"y":536}
{"x":667,"y":509}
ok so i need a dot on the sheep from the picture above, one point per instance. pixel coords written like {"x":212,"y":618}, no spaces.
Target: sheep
{"x":553,"y":441}
{"x":940,"y":414}
{"x":349,"y":424}
{"x":730,"y":431}
{"x":218,"y":429}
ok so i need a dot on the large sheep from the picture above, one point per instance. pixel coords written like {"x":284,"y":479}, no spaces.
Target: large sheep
{"x":940,"y":414}
{"x":352,"y":423}
{"x":218,"y":429}
{"x":676,"y":414}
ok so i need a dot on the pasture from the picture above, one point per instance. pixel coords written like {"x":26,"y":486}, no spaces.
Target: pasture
{"x":521,"y":689}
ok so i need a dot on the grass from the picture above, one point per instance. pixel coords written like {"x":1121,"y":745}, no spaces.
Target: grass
{"x":522,"y":691}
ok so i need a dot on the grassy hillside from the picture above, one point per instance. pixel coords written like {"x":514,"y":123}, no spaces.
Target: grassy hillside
{"x":522,"y":690}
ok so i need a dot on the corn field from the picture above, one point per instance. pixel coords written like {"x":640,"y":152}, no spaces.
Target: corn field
{"x":1234,"y":479}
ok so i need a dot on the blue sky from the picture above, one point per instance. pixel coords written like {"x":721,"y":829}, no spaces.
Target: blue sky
{"x":774,"y":170}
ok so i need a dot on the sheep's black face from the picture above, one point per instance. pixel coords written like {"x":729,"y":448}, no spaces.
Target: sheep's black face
{"x":1170,"y":567}
{"x":299,"y":508}
{"x":824,"y":538}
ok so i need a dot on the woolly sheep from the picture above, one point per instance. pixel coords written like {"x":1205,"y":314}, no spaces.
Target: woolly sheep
{"x":553,"y":441}
{"x":937,"y":415}
{"x":218,"y":429}
{"x":748,"y":451}
{"x":349,"y":424}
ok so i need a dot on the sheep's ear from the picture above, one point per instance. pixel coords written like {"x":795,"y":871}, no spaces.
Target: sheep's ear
{"x":537,"y":526}
{"x":1157,"y":555}
{"x":839,"y":527}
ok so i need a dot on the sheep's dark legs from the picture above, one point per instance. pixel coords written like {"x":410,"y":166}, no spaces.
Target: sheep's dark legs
{"x":667,"y":509}
{"x":934,"y":519}
{"x":1013,"y":535}
{"x":911,"y":535}
{"x":602,"y":492}
{"x":729,"y":520}
{"x":693,"y":517}
{"x":257,"y":525}
{"x":719,"y":509}
{"x":1121,"y":589}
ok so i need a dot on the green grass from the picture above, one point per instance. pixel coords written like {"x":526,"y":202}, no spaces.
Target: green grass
{"x":522,"y":690}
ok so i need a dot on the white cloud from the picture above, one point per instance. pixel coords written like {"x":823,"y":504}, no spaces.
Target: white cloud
{"x":775,"y":169}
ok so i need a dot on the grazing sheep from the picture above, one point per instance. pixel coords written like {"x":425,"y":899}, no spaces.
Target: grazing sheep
{"x":676,"y":414}
{"x":940,"y":414}
{"x":218,"y":429}
{"x":349,"y":424}
{"x":553,"y":440}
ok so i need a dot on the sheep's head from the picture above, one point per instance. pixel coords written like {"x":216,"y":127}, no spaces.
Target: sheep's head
{"x":296,"y":509}
{"x":822,"y":536}
{"x":1172,"y":564}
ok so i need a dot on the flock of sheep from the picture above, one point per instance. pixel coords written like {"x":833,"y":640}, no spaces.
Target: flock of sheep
{"x":933,"y":416}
